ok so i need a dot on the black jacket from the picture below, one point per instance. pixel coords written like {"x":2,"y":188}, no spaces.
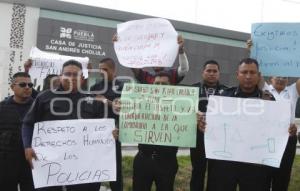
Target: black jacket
{"x":257,"y":93}
{"x":11,"y":117}
{"x":205,"y":91}
{"x":56,"y":105}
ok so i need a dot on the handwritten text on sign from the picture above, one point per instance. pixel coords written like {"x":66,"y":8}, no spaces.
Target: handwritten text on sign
{"x":247,"y":130}
{"x":146,"y":43}
{"x":158,"y":115}
{"x":44,"y":63}
{"x":276,"y":46}
{"x":74,"y":152}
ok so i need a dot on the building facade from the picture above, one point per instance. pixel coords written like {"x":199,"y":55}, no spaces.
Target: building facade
{"x":79,"y":30}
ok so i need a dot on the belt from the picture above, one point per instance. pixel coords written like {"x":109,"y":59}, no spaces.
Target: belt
{"x":155,"y":154}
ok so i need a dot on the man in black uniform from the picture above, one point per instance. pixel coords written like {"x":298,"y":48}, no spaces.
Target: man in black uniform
{"x":153,"y":162}
{"x":110,"y":89}
{"x":210,"y":86}
{"x":62,"y":104}
{"x":227,"y":175}
{"x":14,"y":169}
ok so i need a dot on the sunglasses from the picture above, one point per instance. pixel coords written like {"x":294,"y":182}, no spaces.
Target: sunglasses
{"x":24,"y":84}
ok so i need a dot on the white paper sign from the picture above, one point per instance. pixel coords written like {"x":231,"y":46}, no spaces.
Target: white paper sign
{"x":146,"y":43}
{"x":44,"y":63}
{"x":247,"y":130}
{"x":74,"y":152}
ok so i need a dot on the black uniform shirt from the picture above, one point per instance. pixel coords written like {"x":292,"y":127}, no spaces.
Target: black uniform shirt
{"x":57,"y":105}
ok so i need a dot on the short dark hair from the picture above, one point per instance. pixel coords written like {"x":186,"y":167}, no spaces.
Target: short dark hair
{"x":211,"y":62}
{"x":19,"y":74}
{"x":72,"y":63}
{"x":109,"y":61}
{"x":164,"y":74}
{"x":47,"y":81}
{"x":249,"y":61}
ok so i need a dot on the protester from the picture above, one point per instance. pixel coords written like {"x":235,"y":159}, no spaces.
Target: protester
{"x":109,"y":90}
{"x":210,"y":86}
{"x":227,"y":175}
{"x":279,"y":88}
{"x":14,"y":169}
{"x":41,"y":110}
{"x":155,"y":163}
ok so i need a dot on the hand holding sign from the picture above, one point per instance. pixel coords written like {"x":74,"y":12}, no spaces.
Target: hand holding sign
{"x":146,"y":43}
{"x":73,"y":152}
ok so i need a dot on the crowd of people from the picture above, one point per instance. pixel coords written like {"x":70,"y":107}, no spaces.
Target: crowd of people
{"x":153,"y":163}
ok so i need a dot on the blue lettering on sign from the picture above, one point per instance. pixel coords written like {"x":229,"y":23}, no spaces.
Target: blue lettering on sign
{"x":276,"y":47}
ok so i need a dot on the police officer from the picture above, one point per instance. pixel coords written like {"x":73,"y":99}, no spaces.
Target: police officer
{"x":108,"y":90}
{"x":210,"y":86}
{"x":154,"y":163}
{"x":14,"y":168}
{"x":55,"y":105}
{"x":226,"y":175}
{"x":280,"y":89}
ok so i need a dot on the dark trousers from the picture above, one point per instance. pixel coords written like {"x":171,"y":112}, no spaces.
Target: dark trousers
{"x":77,"y":187}
{"x":14,"y":171}
{"x":118,"y":184}
{"x":280,"y":177}
{"x":149,"y":168}
{"x":226,"y":176}
{"x":199,"y":163}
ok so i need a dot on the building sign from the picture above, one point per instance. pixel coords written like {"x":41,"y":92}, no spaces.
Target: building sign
{"x":74,"y":39}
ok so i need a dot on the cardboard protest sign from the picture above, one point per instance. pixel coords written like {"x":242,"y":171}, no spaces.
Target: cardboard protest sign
{"x":44,"y":63}
{"x":74,"y":152}
{"x":276,"y":47}
{"x":247,"y":130}
{"x":159,"y":115}
{"x":146,"y":43}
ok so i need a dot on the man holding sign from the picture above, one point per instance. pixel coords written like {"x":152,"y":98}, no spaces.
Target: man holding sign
{"x":65,"y":103}
{"x":153,"y":162}
{"x":226,"y":175}
{"x":264,"y":49}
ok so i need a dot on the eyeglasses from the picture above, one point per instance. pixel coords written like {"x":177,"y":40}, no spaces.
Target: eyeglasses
{"x":24,"y":84}
{"x":71,"y":74}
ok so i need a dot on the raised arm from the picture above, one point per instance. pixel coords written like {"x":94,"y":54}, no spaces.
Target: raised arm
{"x":183,"y":67}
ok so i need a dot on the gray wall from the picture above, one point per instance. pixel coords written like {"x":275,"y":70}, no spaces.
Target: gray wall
{"x":198,"y":51}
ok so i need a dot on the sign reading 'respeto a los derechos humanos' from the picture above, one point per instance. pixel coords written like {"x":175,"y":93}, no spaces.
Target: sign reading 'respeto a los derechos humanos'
{"x":74,"y":152}
{"x":146,"y":43}
{"x":159,"y":115}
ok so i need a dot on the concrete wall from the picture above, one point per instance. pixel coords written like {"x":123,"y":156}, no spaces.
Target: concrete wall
{"x":21,"y":21}
{"x":18,"y":34}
